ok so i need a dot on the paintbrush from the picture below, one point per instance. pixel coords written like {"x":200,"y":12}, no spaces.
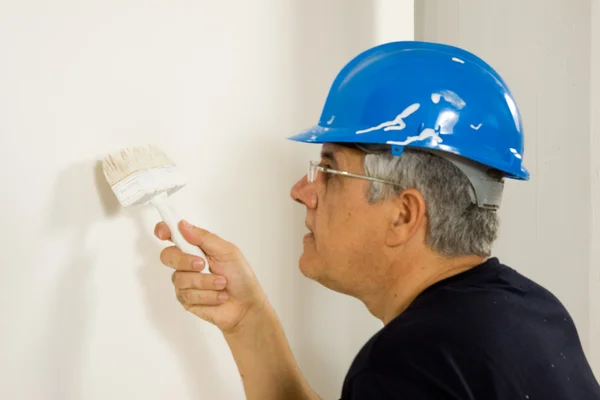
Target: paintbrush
{"x":145,"y":175}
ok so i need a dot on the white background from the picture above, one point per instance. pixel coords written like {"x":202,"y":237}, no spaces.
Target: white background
{"x":87,"y":311}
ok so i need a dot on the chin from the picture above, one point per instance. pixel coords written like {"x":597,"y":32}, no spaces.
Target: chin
{"x":316,"y":270}
{"x":308,"y":267}
{"x":311,"y":265}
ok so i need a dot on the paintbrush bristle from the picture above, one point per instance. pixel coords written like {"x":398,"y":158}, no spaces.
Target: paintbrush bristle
{"x":138,"y":175}
{"x":120,"y":165}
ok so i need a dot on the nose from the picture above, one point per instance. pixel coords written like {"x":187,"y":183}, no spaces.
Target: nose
{"x":304,"y":193}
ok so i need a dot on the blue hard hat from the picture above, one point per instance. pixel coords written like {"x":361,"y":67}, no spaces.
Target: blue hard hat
{"x":424,"y":95}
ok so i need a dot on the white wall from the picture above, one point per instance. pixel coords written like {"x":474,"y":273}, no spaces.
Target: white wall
{"x":87,"y":310}
{"x":394,"y":20}
{"x":542,"y":48}
{"x":595,"y":187}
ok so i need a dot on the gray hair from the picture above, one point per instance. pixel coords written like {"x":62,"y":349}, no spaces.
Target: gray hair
{"x":457,"y":226}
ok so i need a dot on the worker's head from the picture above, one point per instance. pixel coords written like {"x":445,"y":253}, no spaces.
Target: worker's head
{"x":424,"y":135}
{"x":420,"y":205}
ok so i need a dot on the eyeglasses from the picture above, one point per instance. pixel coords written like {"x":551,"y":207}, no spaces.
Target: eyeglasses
{"x":314,"y":168}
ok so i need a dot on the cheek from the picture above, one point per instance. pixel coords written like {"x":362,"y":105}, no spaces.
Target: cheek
{"x":344,"y":222}
{"x":331,"y":220}
{"x":343,"y":231}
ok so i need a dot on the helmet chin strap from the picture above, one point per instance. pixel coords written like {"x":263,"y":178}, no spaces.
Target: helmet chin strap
{"x":487,"y":186}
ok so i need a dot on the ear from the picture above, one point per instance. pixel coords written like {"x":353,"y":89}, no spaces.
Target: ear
{"x":408,"y":217}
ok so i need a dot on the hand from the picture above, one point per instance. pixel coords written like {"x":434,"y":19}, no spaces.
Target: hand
{"x":225,"y":298}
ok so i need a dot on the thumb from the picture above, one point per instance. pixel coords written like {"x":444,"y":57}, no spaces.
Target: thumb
{"x":211,"y":244}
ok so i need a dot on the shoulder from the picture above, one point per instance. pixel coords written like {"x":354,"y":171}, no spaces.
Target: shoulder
{"x":470,"y":334}
{"x":468,"y":325}
{"x":476,"y":313}
{"x":419,"y":345}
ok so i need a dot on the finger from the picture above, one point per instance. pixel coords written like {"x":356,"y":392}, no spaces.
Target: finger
{"x":192,"y":297}
{"x":192,"y":280}
{"x":162,"y":231}
{"x":176,"y":259}
{"x":211,"y":244}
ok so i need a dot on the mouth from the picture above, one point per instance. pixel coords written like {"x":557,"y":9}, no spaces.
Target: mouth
{"x":309,"y":237}
{"x":310,"y":234}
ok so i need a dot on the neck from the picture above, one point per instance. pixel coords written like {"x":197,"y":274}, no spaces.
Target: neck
{"x":407,"y":280}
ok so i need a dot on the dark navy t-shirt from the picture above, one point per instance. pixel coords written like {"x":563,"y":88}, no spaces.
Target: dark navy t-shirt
{"x":485,"y":334}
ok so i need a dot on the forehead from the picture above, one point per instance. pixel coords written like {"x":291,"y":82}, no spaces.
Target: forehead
{"x":340,"y":153}
{"x":329,"y":147}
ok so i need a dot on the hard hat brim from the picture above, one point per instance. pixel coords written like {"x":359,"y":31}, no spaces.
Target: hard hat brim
{"x":319,"y":134}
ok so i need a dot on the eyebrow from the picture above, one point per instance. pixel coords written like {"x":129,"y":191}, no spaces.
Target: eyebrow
{"x":329,"y":155}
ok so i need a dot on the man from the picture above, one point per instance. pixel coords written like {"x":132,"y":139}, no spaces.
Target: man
{"x":417,"y":141}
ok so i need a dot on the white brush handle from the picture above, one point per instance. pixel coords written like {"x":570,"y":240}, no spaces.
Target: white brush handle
{"x":172,"y":219}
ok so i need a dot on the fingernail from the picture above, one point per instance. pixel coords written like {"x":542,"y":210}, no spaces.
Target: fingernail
{"x":186,"y":224}
{"x":222,"y":296}
{"x":220,"y":283}
{"x":198,"y":264}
